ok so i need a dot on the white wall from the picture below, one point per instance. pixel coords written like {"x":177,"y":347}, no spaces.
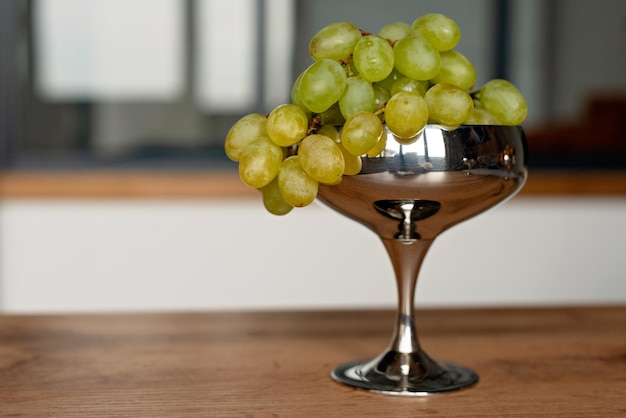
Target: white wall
{"x":97,"y":255}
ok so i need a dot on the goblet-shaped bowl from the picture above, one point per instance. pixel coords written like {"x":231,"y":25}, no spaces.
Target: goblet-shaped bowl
{"x":408,"y":195}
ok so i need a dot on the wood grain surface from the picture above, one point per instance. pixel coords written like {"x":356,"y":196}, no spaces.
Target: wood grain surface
{"x":226,"y":184}
{"x":557,"y":362}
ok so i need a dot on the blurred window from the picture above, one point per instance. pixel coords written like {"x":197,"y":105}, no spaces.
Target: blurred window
{"x":100,"y":50}
{"x":101,"y":80}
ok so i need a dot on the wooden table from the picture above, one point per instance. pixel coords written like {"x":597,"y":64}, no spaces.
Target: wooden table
{"x":532,"y":362}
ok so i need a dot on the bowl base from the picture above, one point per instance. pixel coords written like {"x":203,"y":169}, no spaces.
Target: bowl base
{"x":454,"y":377}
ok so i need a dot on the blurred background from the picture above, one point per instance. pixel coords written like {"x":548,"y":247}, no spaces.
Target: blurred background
{"x":154,"y":85}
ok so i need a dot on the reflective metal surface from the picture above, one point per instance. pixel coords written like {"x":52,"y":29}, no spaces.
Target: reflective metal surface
{"x":408,"y":195}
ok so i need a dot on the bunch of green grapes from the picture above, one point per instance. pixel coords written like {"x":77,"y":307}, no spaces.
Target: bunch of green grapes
{"x":404,"y":77}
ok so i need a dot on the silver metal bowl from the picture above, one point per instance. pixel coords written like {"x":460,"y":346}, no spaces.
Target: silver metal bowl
{"x":408,"y":195}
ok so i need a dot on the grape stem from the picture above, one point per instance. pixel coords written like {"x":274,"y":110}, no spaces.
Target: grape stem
{"x":316,"y":122}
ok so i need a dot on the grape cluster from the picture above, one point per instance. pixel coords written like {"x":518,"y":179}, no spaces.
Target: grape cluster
{"x":404,"y":77}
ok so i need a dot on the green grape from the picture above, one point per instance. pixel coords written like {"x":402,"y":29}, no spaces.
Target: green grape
{"x":503,"y":100}
{"x":358,"y":96}
{"x":353,"y":163}
{"x":381,"y":96}
{"x":335,"y":41}
{"x":406,"y":114}
{"x":441,"y":31}
{"x":329,"y":131}
{"x":287,"y":124}
{"x":387,"y":83}
{"x":481,"y":117}
{"x":380,"y":145}
{"x":455,"y":69}
{"x":407,"y":84}
{"x":373,"y":58}
{"x":361,"y":132}
{"x":273,"y":201}
{"x":296,"y":186}
{"x":448,"y":104}
{"x":395,"y":31}
{"x":322,"y":84}
{"x":321,"y":158}
{"x":416,"y":58}
{"x":245,"y":130}
{"x":332,"y":116}
{"x":295,"y":95}
{"x":259,"y":162}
